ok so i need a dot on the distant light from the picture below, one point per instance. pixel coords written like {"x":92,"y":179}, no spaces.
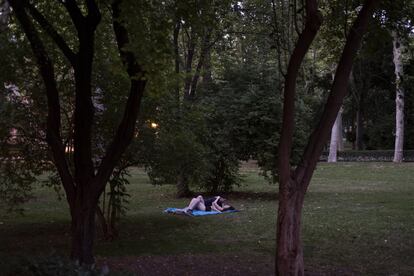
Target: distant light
{"x":154,"y":125}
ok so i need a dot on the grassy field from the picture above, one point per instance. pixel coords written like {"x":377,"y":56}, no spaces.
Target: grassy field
{"x":358,"y":220}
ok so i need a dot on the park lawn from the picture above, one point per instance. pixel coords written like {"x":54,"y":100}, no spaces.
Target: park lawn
{"x":358,"y":219}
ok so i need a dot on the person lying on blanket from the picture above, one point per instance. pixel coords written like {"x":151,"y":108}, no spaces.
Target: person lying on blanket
{"x":217,"y":203}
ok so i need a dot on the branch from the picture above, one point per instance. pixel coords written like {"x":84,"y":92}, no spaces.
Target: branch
{"x":53,"y":119}
{"x":189,"y":65}
{"x":126,"y":128}
{"x":75,"y":13}
{"x":312,"y":25}
{"x":339,"y":90}
{"x":176,"y":33}
{"x":48,"y":28}
{"x":94,"y":15}
{"x":205,"y":46}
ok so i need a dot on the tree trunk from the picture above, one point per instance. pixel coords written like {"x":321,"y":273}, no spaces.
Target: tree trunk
{"x":83,"y":231}
{"x":289,"y":256}
{"x":207,"y":68}
{"x":336,"y":143}
{"x":340,"y":136}
{"x":399,"y":99}
{"x":336,"y":138}
{"x":289,"y":242}
{"x":293,"y":184}
{"x":101,"y":221}
{"x":4,"y":14}
{"x":182,"y":185}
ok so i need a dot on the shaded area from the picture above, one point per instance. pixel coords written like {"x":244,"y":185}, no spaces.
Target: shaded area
{"x":358,"y":220}
{"x":194,"y":264}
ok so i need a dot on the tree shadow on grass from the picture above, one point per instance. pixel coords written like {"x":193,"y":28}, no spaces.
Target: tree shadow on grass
{"x":155,"y":234}
{"x":35,"y":238}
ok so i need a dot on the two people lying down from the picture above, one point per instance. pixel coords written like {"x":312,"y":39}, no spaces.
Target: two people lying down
{"x":216,"y":203}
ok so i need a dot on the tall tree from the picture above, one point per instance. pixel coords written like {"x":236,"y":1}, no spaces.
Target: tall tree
{"x":84,"y":185}
{"x":399,"y":98}
{"x":399,"y":23}
{"x":293,"y":183}
{"x":336,"y":143}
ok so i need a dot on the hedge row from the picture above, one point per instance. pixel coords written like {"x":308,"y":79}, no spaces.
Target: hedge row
{"x":369,"y":155}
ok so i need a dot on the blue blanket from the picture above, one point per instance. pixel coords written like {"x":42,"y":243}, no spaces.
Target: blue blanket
{"x":196,"y":213}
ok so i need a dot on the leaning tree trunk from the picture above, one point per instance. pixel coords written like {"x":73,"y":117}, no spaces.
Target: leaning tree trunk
{"x":399,"y":99}
{"x":293,"y":184}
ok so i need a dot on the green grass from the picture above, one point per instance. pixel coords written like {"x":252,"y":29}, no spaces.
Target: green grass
{"x":358,"y":216}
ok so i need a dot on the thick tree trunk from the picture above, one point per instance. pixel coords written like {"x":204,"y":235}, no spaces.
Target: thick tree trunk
{"x":289,"y":242}
{"x":399,"y":99}
{"x":83,"y":231}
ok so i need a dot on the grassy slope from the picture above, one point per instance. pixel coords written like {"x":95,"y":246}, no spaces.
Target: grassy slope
{"x":357,"y":216}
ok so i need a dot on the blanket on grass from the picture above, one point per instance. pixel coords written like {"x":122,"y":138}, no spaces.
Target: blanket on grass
{"x":196,"y":213}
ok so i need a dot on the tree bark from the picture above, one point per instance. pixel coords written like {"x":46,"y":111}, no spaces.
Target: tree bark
{"x":340,"y":136}
{"x":100,"y":217}
{"x":293,"y":184}
{"x":399,"y":99}
{"x":336,"y":137}
{"x":182,"y":185}
{"x":336,"y":142}
{"x":289,"y":241}
{"x":289,"y":255}
{"x":83,"y":231}
{"x":4,"y":14}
